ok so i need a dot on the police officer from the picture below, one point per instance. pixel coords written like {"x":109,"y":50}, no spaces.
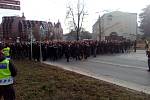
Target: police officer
{"x":148,"y":55}
{"x":7,"y":73}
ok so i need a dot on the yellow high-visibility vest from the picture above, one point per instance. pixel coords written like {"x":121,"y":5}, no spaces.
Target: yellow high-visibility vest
{"x":5,"y":74}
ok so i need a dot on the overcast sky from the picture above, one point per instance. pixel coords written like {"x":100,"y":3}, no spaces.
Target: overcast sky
{"x":53,"y":10}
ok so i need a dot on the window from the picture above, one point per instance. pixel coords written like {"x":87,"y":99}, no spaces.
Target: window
{"x":109,"y":17}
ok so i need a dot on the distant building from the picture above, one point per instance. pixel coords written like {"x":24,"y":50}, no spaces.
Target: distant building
{"x":58,"y":31}
{"x":122,"y":23}
{"x":14,"y":28}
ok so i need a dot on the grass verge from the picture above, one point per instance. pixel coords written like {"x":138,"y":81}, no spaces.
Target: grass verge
{"x":37,"y":81}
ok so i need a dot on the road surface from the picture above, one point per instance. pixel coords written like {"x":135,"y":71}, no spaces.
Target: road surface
{"x":127,"y":70}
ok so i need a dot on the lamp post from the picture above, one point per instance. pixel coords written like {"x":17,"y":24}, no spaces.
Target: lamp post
{"x":78,"y":29}
{"x":101,"y":24}
{"x":99,"y":27}
{"x":100,"y":33}
{"x":136,"y":28}
{"x":41,"y":32}
{"x":31,"y":40}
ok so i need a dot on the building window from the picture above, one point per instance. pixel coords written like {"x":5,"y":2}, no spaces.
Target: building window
{"x":109,"y":17}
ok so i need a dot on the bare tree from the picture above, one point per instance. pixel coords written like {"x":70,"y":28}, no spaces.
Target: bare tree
{"x":76,"y":17}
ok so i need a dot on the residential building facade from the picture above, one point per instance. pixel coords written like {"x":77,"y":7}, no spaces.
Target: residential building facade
{"x":122,"y":23}
{"x":15,"y":27}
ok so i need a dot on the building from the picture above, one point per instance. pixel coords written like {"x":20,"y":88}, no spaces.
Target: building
{"x":15,"y":28}
{"x":122,"y":23}
{"x":97,"y":33}
{"x":58,"y":30}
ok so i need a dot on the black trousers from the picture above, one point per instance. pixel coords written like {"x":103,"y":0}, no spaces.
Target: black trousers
{"x":7,"y":92}
{"x":149,"y":63}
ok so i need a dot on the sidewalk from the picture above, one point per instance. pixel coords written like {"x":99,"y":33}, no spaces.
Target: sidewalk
{"x":139,"y":55}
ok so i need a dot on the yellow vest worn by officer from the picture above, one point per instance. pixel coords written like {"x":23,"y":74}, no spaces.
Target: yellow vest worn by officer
{"x":5,"y":74}
{"x":6,"y":52}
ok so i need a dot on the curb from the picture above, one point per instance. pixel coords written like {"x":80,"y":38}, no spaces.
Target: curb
{"x":129,"y":85}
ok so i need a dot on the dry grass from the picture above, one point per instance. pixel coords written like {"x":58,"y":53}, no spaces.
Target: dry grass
{"x":44,"y":82}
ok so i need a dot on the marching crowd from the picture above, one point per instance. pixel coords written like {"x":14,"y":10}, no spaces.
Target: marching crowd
{"x":55,"y":50}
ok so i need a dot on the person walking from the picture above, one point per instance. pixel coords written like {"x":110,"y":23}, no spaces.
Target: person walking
{"x":135,"y":44}
{"x":146,"y":46}
{"x":148,"y":55}
{"x":7,"y":74}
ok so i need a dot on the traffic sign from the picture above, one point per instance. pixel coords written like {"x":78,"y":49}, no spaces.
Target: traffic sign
{"x":10,"y":2}
{"x":4,"y":6}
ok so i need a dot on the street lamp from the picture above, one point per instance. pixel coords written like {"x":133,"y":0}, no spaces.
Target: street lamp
{"x":136,"y":28}
{"x":99,"y":27}
{"x":31,"y":40}
{"x":100,"y":33}
{"x":100,"y":24}
{"x":41,"y":32}
{"x":78,"y":29}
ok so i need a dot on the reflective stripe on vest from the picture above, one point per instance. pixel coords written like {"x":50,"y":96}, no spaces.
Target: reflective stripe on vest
{"x":6,"y":81}
{"x":7,"y":57}
{"x":5,"y":74}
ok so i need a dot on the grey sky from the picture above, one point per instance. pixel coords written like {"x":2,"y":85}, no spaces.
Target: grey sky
{"x":56,"y":9}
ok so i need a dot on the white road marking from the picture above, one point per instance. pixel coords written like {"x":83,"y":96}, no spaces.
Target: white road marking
{"x":116,"y":64}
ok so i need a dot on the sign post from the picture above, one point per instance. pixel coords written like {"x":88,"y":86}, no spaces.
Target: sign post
{"x":41,"y":32}
{"x":31,"y":40}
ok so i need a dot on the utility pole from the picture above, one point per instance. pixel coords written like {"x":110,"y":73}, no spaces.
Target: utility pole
{"x":136,"y":28}
{"x":100,"y":33}
{"x":78,"y":30}
{"x":31,"y":40}
{"x":41,"y":32}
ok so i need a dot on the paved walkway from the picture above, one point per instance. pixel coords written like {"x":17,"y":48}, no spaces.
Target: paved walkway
{"x":127,"y":70}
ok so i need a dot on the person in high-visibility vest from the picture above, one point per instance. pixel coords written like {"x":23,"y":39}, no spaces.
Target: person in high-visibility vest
{"x":7,"y":74}
{"x":6,"y":52}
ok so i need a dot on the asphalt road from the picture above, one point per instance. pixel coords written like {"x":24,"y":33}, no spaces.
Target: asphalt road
{"x":128,"y":70}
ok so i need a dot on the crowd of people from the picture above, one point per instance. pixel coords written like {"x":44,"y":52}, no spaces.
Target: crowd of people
{"x":55,"y":50}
